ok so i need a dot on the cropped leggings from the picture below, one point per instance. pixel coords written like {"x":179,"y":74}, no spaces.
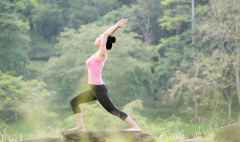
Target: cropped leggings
{"x":96,"y":92}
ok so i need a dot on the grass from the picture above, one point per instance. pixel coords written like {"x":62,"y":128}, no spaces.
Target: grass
{"x":5,"y":137}
{"x":164,"y":126}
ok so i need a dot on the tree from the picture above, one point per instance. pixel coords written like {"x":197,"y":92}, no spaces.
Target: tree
{"x":17,"y":95}
{"x":222,"y":29}
{"x":146,"y":16}
{"x":14,"y":39}
{"x":48,"y":21}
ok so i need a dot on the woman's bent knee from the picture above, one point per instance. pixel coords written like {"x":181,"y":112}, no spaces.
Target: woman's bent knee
{"x":75,"y":106}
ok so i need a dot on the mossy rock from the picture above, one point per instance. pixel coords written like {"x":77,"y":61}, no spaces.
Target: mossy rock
{"x":109,"y":136}
{"x":98,"y":136}
{"x":46,"y":139}
{"x":230,"y":133}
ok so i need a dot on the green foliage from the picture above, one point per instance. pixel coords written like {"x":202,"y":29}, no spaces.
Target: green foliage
{"x":221,"y":24}
{"x":14,"y":39}
{"x":24,"y":105}
{"x":170,"y":23}
{"x":79,"y":12}
{"x":145,"y":18}
{"x":16,"y":94}
{"x":47,"y":20}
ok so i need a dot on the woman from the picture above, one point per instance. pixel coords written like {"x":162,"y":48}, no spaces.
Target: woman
{"x":98,"y":90}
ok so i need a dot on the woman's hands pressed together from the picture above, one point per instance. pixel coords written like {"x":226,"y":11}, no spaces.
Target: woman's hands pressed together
{"x":122,"y":22}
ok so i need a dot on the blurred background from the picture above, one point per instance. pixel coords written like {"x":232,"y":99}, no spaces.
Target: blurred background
{"x":175,"y":68}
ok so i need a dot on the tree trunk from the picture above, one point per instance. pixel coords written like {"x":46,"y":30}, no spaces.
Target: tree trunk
{"x":237,"y":69}
{"x":196,"y":117}
{"x":230,"y":109}
{"x":195,"y":97}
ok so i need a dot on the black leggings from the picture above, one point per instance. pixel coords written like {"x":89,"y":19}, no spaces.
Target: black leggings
{"x":97,"y":92}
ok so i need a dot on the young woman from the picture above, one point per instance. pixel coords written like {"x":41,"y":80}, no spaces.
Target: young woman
{"x":98,"y":90}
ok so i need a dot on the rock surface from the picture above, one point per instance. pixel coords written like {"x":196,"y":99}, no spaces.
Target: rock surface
{"x":109,"y":136}
{"x":99,"y":136}
{"x":230,"y":133}
{"x":46,"y":139}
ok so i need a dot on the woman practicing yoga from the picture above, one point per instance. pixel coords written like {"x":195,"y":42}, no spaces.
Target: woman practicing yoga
{"x":98,"y":90}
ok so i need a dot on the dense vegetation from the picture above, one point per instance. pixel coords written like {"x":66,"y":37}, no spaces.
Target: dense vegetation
{"x":179,"y":78}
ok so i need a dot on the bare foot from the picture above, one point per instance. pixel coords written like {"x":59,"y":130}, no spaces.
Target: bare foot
{"x":132,"y":130}
{"x":74,"y":130}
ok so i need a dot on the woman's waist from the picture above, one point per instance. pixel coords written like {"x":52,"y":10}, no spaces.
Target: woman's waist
{"x":98,"y":87}
{"x":96,"y":83}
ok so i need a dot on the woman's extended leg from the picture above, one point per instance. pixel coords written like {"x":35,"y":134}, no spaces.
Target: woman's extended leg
{"x":133,"y":126}
{"x":106,"y":102}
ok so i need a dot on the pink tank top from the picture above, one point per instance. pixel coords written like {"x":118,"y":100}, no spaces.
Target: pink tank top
{"x":94,"y":68}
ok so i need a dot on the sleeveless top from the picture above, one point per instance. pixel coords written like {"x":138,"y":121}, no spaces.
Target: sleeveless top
{"x":94,"y":69}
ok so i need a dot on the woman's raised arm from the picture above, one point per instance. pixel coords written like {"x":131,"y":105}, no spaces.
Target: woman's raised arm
{"x":121,"y":23}
{"x":103,"y":37}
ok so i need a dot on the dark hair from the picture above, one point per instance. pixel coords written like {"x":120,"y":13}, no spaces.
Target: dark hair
{"x":110,"y":41}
